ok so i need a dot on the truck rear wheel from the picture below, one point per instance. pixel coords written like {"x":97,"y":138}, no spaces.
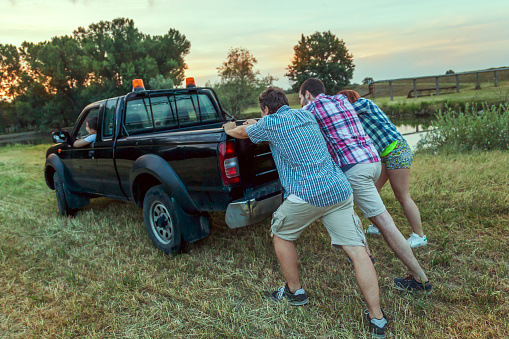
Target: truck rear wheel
{"x":161,"y":220}
{"x":63,"y":206}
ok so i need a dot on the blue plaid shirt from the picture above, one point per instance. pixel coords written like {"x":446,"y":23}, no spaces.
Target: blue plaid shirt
{"x":305,"y":167}
{"x":376,"y":124}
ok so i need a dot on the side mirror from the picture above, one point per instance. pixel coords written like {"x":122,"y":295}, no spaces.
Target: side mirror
{"x":60,"y":136}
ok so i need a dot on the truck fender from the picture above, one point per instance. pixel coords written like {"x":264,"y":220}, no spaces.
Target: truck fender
{"x":56,"y":164}
{"x":166,"y":175}
{"x":73,"y":200}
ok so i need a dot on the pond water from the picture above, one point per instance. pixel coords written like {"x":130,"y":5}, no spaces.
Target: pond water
{"x":413,"y":129}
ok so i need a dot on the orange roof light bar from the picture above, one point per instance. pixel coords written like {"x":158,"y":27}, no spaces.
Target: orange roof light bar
{"x":138,"y":85}
{"x":190,"y":82}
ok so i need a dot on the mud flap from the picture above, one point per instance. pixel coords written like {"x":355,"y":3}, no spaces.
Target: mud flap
{"x":193,"y":227}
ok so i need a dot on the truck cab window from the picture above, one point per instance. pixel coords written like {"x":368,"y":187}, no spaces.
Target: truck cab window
{"x":193,"y":109}
{"x":138,"y":117}
{"x":163,"y":109}
{"x":82,"y":129}
{"x":109,"y":118}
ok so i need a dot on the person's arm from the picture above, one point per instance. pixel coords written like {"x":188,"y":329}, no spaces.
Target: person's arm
{"x":85,"y":141}
{"x":81,"y":143}
{"x":238,"y":132}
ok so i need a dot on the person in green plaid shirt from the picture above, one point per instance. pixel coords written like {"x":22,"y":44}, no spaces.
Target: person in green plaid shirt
{"x":396,"y":157}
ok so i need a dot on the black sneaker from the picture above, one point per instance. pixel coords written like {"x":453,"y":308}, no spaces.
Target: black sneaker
{"x":376,"y":330}
{"x":410,"y":284}
{"x":298,"y":298}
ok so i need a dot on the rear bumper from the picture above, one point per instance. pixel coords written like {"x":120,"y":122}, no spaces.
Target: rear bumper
{"x":244,"y":212}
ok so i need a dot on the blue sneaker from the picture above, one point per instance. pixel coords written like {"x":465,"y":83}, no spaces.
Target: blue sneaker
{"x":377,"y":326}
{"x":410,"y":284}
{"x":298,"y":298}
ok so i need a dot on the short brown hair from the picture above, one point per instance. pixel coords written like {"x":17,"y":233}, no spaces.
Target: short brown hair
{"x":350,"y":94}
{"x":274,"y":98}
{"x":92,"y":123}
{"x":312,"y":85}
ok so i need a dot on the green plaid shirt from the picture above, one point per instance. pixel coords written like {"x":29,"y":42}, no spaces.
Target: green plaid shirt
{"x":376,"y":124}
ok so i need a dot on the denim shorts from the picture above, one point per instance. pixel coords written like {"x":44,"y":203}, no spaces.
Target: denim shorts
{"x":400,"y":157}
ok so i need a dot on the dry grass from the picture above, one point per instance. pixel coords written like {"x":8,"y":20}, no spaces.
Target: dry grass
{"x":98,"y":275}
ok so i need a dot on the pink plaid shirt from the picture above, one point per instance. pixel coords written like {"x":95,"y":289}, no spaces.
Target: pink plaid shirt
{"x":346,"y":140}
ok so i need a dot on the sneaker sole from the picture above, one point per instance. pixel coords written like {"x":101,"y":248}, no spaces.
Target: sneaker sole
{"x":419,"y":245}
{"x":428,"y":292}
{"x":293,"y":303}
{"x":298,"y":303}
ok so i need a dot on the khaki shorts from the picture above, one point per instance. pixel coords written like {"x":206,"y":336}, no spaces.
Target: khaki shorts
{"x":362,"y":178}
{"x":292,"y":218}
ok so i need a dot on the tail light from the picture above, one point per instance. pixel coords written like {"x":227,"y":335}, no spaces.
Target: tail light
{"x":229,"y":163}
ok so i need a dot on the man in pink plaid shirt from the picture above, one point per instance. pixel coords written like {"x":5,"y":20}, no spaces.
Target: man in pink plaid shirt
{"x":347,"y":142}
{"x":354,"y":151}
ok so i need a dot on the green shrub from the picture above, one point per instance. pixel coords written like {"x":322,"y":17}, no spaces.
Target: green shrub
{"x":469,"y":129}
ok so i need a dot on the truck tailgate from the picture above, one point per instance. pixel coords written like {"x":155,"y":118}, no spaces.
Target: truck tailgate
{"x":256,"y":164}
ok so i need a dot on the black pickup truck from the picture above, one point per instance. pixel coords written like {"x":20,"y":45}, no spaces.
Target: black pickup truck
{"x":166,"y":151}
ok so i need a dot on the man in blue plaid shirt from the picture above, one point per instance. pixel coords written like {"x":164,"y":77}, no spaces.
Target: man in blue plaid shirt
{"x":315,"y":188}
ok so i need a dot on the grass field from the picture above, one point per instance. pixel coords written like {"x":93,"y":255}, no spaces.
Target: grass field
{"x":97,"y":274}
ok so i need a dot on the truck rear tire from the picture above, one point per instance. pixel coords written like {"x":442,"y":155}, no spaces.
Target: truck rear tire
{"x":161,"y":220}
{"x":63,"y":206}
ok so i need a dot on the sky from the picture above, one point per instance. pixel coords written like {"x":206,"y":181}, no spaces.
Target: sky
{"x":389,"y":39}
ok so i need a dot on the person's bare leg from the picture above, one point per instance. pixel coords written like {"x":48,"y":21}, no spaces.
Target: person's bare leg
{"x":398,"y":244}
{"x":359,"y":224}
{"x":366,"y":278}
{"x":287,"y":257}
{"x":400,"y":183}
{"x":382,"y":179}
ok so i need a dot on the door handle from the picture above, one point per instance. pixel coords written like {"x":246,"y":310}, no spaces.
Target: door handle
{"x":91,"y":154}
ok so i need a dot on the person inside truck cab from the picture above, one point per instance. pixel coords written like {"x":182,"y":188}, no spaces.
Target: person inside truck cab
{"x":91,"y":126}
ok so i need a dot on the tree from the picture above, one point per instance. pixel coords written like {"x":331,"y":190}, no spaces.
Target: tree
{"x":10,"y":70}
{"x":449,"y":72}
{"x":160,"y":82}
{"x":240,"y":83}
{"x":323,"y":56}
{"x":118,"y":52}
{"x":367,"y":80}
{"x":50,"y":82}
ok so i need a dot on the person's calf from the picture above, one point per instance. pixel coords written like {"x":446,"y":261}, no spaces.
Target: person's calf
{"x":366,"y":278}
{"x":398,"y":244}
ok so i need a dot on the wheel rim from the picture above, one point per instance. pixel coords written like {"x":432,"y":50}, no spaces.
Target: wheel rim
{"x":161,"y":223}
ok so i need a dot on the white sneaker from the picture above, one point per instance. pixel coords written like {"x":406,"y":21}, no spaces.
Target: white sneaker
{"x":372,"y":230}
{"x":415,"y":240}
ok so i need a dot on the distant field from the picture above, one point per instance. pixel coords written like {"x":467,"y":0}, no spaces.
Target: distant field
{"x":468,"y":93}
{"x":97,"y":275}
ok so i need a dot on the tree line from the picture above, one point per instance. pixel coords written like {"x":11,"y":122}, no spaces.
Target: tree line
{"x":47,"y":84}
{"x":50,"y":82}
